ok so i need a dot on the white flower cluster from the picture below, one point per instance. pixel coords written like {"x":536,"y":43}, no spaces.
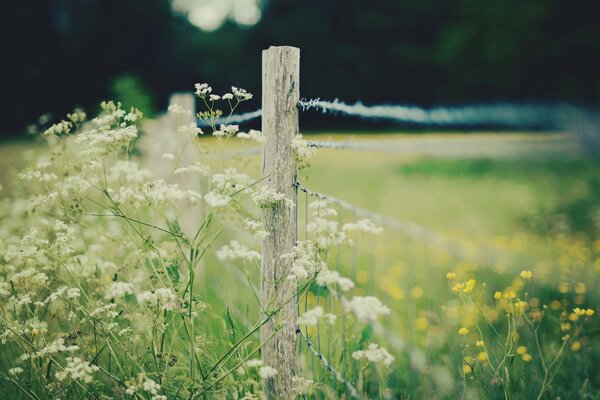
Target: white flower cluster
{"x":190,"y":131}
{"x":312,"y":317}
{"x":60,"y":128}
{"x":215,"y":199}
{"x":231,"y":181}
{"x":303,"y":260}
{"x":302,"y":151}
{"x":237,"y":251}
{"x":197,"y":167}
{"x":257,"y":136}
{"x":226,"y":130}
{"x":327,"y":230}
{"x":241,"y":94}
{"x":267,"y":197}
{"x":165,"y":297}
{"x":127,"y":172}
{"x":178,"y":109}
{"x":366,"y":308}
{"x":144,"y":384}
{"x":375,"y":354}
{"x":77,"y":369}
{"x":327,"y":277}
{"x":118,"y":289}
{"x":203,"y":89}
{"x":256,"y":229}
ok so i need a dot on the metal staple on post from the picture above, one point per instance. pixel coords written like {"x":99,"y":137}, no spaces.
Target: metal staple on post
{"x":280,"y":95}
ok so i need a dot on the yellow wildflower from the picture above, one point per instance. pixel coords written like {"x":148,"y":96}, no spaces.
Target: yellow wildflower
{"x":579,"y":311}
{"x":520,"y":306}
{"x":527,"y":357}
{"x":467,"y":369}
{"x":451,"y":275}
{"x":480,"y":343}
{"x":526,"y":274}
{"x":469,"y":285}
{"x":589,"y":312}
{"x":463,"y":331}
{"x":521,"y":350}
{"x":510,"y":293}
{"x":482,"y":357}
{"x":497,"y":295}
{"x":576,"y":345}
{"x":458,"y":287}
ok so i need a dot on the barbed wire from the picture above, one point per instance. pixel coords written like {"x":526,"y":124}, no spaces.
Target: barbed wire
{"x":525,"y":115}
{"x":513,"y":115}
{"x":351,"y":389}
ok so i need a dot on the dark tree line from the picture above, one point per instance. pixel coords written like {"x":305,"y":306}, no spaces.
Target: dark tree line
{"x":63,"y":53}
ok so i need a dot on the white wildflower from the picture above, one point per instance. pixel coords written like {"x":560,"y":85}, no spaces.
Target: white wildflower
{"x":168,"y":156}
{"x":267,"y":197}
{"x":327,"y":277}
{"x":215,"y":199}
{"x":190,"y":131}
{"x":255,"y":135}
{"x":118,"y":289}
{"x":302,"y":151}
{"x":202,"y":89}
{"x":226,"y":130}
{"x":236,"y":251}
{"x":311,"y":317}
{"x":241,"y":94}
{"x":77,"y":369}
{"x":214,"y":97}
{"x":256,"y":229}
{"x":366,"y":308}
{"x":15,"y":371}
{"x":178,"y":110}
{"x":375,"y":354}
{"x":227,"y":96}
{"x":167,"y":299}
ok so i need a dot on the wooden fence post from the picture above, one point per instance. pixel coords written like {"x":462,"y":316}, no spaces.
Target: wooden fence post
{"x":280,"y":95}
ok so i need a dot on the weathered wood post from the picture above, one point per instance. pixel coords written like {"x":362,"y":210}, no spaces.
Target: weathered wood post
{"x":280,"y":95}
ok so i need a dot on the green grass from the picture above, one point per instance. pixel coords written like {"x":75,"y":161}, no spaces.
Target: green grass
{"x":534,"y":213}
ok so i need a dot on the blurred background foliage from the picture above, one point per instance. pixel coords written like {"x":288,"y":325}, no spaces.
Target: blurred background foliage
{"x":66,"y":53}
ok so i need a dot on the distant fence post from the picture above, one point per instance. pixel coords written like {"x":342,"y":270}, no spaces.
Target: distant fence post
{"x":280,"y":95}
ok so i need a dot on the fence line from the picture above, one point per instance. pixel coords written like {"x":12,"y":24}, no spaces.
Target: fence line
{"x":512,"y":115}
{"x":526,"y":115}
{"x":351,"y":389}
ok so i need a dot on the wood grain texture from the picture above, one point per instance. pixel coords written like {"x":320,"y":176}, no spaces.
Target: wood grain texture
{"x":280,"y":95}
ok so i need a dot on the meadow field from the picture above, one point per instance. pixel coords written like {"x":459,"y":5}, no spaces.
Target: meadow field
{"x":507,"y":249}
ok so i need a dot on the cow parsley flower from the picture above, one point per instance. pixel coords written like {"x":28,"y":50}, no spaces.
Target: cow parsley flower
{"x":77,"y":369}
{"x":311,"y":317}
{"x":215,"y":199}
{"x":328,"y":278}
{"x":177,"y":109}
{"x":257,"y":136}
{"x":241,"y":94}
{"x":236,"y":251}
{"x":375,"y":354}
{"x":190,"y":131}
{"x":366,"y":308}
{"x":203,"y":89}
{"x":118,"y":289}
